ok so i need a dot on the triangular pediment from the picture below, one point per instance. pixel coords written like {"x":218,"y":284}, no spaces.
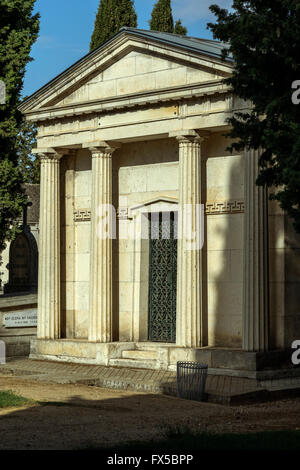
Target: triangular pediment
{"x":156,"y":200}
{"x":127,"y":65}
{"x":158,"y":204}
{"x":137,"y":72}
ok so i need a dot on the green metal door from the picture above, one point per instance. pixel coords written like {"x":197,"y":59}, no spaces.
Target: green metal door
{"x":162,"y":277}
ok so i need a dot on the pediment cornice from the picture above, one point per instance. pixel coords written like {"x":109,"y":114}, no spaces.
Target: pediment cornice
{"x":48,"y":97}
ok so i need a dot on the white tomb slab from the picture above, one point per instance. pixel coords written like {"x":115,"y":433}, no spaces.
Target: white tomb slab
{"x":21,"y":319}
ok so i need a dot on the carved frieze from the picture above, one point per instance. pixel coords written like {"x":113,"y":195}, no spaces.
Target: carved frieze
{"x":225,"y":207}
{"x":82,"y":215}
{"x":236,"y":206}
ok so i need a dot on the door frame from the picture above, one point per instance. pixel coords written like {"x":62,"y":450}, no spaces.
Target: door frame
{"x":139,"y":216}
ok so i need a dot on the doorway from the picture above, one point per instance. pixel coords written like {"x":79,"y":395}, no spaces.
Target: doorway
{"x":162,"y":277}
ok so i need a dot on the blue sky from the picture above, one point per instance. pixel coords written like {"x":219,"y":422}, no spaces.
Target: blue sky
{"x":66,"y":27}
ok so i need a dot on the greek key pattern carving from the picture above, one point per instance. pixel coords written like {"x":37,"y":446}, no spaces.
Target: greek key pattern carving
{"x":82,"y":215}
{"x":225,"y":207}
{"x":211,"y":208}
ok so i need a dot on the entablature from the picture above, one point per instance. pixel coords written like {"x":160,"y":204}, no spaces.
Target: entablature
{"x":136,"y":100}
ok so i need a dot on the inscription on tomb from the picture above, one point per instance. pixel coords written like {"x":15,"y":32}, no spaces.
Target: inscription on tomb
{"x":21,"y":319}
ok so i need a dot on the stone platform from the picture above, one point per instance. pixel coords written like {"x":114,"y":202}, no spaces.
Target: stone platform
{"x":164,"y":357}
{"x":219,"y":388}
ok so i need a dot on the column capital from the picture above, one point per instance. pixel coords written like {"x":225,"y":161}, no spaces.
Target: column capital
{"x":101,"y":148}
{"x":98,"y":152}
{"x":190,"y":136}
{"x":183,"y":139}
{"x":49,"y":153}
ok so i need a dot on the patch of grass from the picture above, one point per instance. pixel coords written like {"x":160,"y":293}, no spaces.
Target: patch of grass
{"x":10,"y":399}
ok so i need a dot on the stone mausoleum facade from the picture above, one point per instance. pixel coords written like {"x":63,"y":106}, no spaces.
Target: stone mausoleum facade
{"x":138,"y":125}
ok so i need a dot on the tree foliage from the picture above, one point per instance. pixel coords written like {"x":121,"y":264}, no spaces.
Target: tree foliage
{"x":28,"y":164}
{"x":180,"y":29}
{"x":264,"y":40}
{"x":162,"y":17}
{"x":19,"y":29}
{"x":12,"y":200}
{"x":111,"y":16}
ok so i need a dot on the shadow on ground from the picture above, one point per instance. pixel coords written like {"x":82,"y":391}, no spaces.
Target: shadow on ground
{"x":82,"y":417}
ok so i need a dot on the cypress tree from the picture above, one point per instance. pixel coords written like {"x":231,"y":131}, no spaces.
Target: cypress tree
{"x":162,"y":17}
{"x":18,"y":31}
{"x":111,"y":16}
{"x":180,"y":29}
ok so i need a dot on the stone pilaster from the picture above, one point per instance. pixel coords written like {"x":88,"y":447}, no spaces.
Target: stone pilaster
{"x":189,"y":272}
{"x":256,"y":298}
{"x":100,"y":316}
{"x":49,"y":248}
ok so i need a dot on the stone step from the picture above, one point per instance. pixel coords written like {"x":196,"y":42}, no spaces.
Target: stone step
{"x":137,"y":355}
{"x":133,"y":363}
{"x":144,"y":346}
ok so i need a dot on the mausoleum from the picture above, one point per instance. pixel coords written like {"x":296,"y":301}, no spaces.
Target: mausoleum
{"x":130,"y":134}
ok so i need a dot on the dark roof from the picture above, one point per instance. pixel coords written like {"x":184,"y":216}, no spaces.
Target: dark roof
{"x":207,"y":47}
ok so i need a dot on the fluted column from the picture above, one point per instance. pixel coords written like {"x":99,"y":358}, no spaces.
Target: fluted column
{"x":100,"y":313}
{"x":49,"y":248}
{"x":189,"y":271}
{"x":256,"y":298}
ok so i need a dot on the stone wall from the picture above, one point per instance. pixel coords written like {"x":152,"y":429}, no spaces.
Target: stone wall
{"x":149,"y":170}
{"x":143,"y":172}
{"x":76,"y":198}
{"x":223,"y":250}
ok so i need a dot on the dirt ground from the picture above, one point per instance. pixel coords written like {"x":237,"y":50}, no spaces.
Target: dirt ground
{"x":87,"y":417}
